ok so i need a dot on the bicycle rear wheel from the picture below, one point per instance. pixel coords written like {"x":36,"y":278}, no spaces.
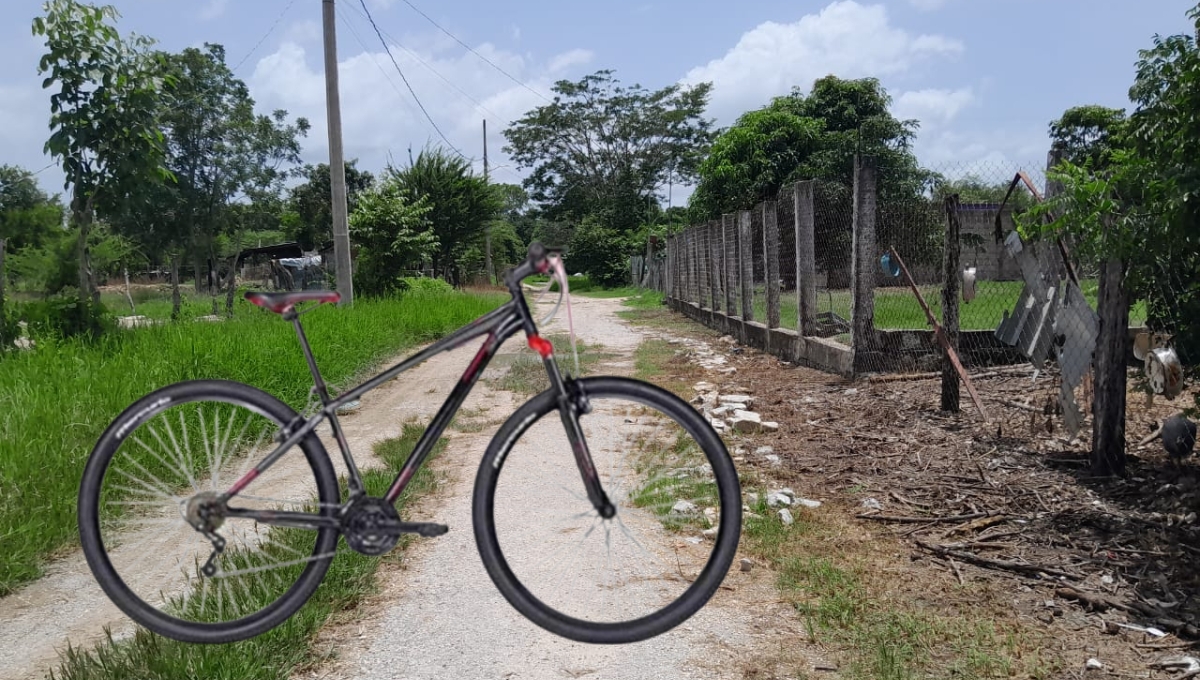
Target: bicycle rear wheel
{"x":160,"y":462}
{"x":642,"y":572}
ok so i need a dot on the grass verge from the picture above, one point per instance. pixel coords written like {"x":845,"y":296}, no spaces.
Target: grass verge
{"x":279,"y":653}
{"x":57,"y":400}
{"x":842,"y":581}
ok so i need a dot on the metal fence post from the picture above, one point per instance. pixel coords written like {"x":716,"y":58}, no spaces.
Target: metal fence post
{"x":950,"y":264}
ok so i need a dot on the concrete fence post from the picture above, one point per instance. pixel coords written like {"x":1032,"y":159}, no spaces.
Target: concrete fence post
{"x":746,"y":261}
{"x":771,"y":253}
{"x":806,"y":257}
{"x":862,"y":266}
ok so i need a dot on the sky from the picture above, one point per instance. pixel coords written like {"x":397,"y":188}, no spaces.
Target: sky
{"x":984,"y":77}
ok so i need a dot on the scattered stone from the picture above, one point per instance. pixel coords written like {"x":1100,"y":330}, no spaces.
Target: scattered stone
{"x":764,"y":451}
{"x":23,"y":343}
{"x":811,"y":504}
{"x":720,"y":411}
{"x":710,"y":514}
{"x":778,"y":498}
{"x":729,"y":369}
{"x":1094,"y":664}
{"x":211,"y":318}
{"x":350,"y":406}
{"x":709,"y":533}
{"x":718,"y":424}
{"x":737,"y":399}
{"x":746,"y":564}
{"x":704,"y":386}
{"x":728,"y":340}
{"x":851,"y":392}
{"x":746,"y":421}
{"x":684,"y":508}
{"x":752,"y":498}
{"x":872,"y":504}
{"x":769,"y":426}
{"x":694,"y":539}
{"x":785,"y":516}
{"x":774,"y":460}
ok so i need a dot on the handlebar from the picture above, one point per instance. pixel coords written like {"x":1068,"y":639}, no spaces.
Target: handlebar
{"x":536,"y":262}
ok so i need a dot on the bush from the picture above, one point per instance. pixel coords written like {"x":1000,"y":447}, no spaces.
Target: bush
{"x":426,"y":284}
{"x":65,"y":315}
{"x":599,"y":252}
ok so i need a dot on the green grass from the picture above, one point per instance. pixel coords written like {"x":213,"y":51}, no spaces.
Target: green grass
{"x":279,"y":653}
{"x":897,"y":307}
{"x":55,"y":401}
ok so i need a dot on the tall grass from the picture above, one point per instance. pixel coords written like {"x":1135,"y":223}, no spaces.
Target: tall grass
{"x":56,"y":401}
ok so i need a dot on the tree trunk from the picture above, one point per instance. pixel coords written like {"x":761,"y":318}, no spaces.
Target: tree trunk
{"x":81,"y":213}
{"x":1108,"y":406}
{"x":176,"y":303}
{"x":128,"y":296}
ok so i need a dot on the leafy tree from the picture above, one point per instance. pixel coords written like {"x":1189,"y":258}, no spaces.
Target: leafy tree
{"x":601,"y":148}
{"x":27,"y":215}
{"x":751,"y":161}
{"x":1088,"y":132}
{"x":460,"y":204}
{"x":600,"y":252}
{"x":311,"y":202}
{"x":103,"y":116}
{"x":393,"y":235}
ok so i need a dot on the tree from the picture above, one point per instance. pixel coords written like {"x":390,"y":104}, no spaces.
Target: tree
{"x":460,"y":205}
{"x":27,"y":215}
{"x":393,"y":235}
{"x":604,"y":149}
{"x":1088,"y":132}
{"x":103,"y":116}
{"x":311,"y":202}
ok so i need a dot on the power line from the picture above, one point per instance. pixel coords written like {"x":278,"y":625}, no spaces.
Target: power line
{"x":472,"y":51}
{"x":435,"y":72}
{"x":265,"y":35}
{"x":404,"y":100}
{"x":406,"y":83}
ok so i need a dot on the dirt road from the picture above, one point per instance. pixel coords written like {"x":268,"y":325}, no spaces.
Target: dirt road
{"x":438,"y":614}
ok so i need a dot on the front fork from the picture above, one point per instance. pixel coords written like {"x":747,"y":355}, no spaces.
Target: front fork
{"x":572,"y":404}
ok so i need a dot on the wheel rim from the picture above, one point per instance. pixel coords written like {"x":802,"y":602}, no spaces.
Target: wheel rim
{"x":168,"y":457}
{"x":578,"y":568}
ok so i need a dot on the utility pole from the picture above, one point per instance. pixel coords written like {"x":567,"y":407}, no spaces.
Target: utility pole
{"x":487,"y":232}
{"x":337,"y":166}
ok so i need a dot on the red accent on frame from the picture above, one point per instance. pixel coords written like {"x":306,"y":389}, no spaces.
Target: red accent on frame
{"x":478,"y":358}
{"x":541,"y":345}
{"x":241,"y":483}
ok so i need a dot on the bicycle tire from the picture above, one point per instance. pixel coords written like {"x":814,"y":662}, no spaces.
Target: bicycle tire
{"x":92,"y":542}
{"x":661,"y":620}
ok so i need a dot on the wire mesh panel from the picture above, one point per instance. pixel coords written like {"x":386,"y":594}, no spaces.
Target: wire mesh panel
{"x":833,"y":224}
{"x":729,"y":250}
{"x":785,"y":210}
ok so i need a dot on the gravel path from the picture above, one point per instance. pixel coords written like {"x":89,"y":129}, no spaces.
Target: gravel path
{"x":440,"y":616}
{"x":67,"y":605}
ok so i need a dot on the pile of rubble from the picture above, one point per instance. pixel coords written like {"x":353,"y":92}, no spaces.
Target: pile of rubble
{"x":730,"y":410}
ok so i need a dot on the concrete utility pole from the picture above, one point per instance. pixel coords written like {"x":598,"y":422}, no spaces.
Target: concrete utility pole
{"x":337,"y":166}
{"x":491,"y":269}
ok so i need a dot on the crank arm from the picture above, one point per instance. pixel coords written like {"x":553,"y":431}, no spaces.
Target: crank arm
{"x":427,"y":529}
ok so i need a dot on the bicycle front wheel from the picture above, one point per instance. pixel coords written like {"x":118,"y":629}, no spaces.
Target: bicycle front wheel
{"x":157,"y":470}
{"x":635,"y":575}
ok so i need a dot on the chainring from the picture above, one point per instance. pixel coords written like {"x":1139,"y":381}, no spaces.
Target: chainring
{"x":364,"y":526}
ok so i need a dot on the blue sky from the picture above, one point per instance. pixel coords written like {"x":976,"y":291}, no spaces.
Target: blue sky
{"x":985,"y":77}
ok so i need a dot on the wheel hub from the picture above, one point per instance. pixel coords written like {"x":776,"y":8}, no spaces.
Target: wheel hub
{"x":369,"y":526}
{"x":204,"y":511}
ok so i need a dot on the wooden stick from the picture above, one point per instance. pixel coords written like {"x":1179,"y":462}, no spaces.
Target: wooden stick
{"x":941,"y":336}
{"x":1006,"y":565}
{"x":920,"y":520}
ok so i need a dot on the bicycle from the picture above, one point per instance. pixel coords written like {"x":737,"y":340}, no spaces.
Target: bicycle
{"x":680,"y":481}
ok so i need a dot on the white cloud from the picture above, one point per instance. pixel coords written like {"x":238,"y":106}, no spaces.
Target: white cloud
{"x":515,"y":31}
{"x":213,"y":9}
{"x":846,"y":38}
{"x":933,"y":107}
{"x":304,"y":32}
{"x":379,"y":116}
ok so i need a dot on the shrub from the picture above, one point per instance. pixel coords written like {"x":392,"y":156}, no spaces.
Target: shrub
{"x":65,"y":315}
{"x":426,"y":284}
{"x":599,"y":252}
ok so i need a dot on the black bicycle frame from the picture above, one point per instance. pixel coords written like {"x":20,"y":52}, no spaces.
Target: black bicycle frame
{"x":499,"y":325}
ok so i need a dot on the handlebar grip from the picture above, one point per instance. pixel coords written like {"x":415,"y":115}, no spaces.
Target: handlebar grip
{"x":537,"y":252}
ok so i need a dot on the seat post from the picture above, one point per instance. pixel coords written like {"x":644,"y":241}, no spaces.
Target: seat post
{"x":308,"y":356}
